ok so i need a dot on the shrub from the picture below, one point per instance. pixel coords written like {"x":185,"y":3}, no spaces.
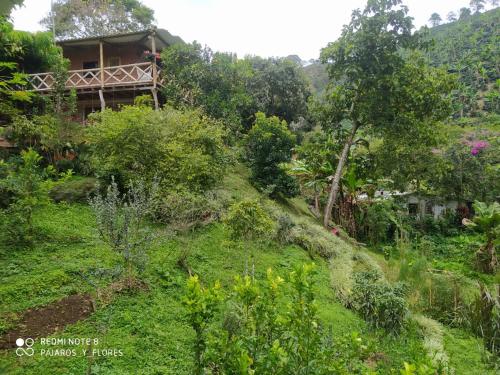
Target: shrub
{"x":379,"y":221}
{"x":28,"y":185}
{"x":271,"y":327}
{"x":380,"y":304}
{"x":180,"y":148}
{"x":77,"y":189}
{"x":184,"y":210}
{"x":201,"y":305}
{"x":247,"y":221}
{"x":269,"y":144}
{"x":121,"y":224}
{"x":284,"y":229}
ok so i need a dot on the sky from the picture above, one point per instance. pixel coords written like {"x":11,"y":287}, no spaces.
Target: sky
{"x":254,"y":27}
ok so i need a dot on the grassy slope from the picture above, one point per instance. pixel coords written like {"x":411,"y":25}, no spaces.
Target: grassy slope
{"x":149,"y":327}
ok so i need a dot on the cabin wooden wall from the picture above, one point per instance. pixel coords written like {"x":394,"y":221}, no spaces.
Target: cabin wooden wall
{"x":128,"y":53}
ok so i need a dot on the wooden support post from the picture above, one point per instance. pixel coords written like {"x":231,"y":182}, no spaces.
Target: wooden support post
{"x":103,"y":103}
{"x":101,"y":62}
{"x":153,"y":50}
{"x":154,"y":91}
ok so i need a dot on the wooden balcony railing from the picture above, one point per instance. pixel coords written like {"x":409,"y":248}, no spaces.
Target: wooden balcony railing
{"x":112,"y":76}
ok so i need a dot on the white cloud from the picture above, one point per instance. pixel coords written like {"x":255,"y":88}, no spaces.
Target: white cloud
{"x":257,"y":27}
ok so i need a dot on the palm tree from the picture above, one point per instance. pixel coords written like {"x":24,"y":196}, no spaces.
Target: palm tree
{"x":487,"y":221}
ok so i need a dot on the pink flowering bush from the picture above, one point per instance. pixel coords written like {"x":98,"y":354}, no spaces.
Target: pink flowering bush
{"x":478,"y":146}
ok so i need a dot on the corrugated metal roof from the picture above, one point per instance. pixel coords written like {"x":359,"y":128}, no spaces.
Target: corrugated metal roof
{"x":162,"y":38}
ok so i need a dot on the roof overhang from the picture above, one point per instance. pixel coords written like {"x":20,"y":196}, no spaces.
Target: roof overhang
{"x":162,"y":38}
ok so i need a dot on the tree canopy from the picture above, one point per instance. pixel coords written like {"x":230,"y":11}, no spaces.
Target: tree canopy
{"x":87,"y":18}
{"x":435,"y":19}
{"x":377,"y":82}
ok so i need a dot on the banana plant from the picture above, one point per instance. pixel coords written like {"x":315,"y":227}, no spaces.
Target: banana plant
{"x":486,"y":221}
{"x":312,"y":177}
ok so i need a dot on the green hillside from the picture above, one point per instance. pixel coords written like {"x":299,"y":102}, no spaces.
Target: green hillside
{"x":237,"y":218}
{"x":149,"y":326}
{"x":470,"y":47}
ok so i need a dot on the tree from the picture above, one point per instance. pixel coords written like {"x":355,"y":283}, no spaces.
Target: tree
{"x":214,"y":82}
{"x":477,"y":5}
{"x":88,"y":18}
{"x":269,"y":144}
{"x":374,"y":86}
{"x":469,"y":170}
{"x":451,"y":17}
{"x":487,"y":221}
{"x":7,"y":6}
{"x":278,"y":87}
{"x":464,"y":13}
{"x":20,"y":53}
{"x":435,"y":19}
{"x":494,"y":3}
{"x":411,"y":159}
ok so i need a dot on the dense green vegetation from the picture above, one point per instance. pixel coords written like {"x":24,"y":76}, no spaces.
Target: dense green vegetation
{"x":249,"y":227}
{"x":469,"y":48}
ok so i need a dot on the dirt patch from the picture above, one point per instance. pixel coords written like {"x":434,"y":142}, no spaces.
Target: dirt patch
{"x":48,"y":319}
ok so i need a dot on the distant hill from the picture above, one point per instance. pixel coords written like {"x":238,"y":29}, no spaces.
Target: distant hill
{"x":314,"y":71}
{"x":318,"y":77}
{"x":470,"y":47}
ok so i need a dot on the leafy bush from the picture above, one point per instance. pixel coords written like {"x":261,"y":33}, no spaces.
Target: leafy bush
{"x":284,"y":229}
{"x":380,"y":304}
{"x":180,"y":148}
{"x":120,"y":223}
{"x":268,"y":144}
{"x":270,"y":327}
{"x":379,"y":221}
{"x":77,"y":189}
{"x":184,"y":210}
{"x":28,"y":186}
{"x":247,"y":221}
{"x":201,"y":305}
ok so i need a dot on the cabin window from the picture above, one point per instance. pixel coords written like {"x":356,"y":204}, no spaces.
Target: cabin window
{"x":90,"y":65}
{"x":413,"y":209}
{"x":114,"y":61}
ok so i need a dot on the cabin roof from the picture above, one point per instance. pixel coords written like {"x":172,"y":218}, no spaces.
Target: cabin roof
{"x":162,"y":38}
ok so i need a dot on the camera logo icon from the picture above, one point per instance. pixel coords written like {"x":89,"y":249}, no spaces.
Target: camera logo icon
{"x":24,"y":347}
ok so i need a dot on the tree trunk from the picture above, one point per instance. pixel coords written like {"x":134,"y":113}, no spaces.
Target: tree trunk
{"x":334,"y":188}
